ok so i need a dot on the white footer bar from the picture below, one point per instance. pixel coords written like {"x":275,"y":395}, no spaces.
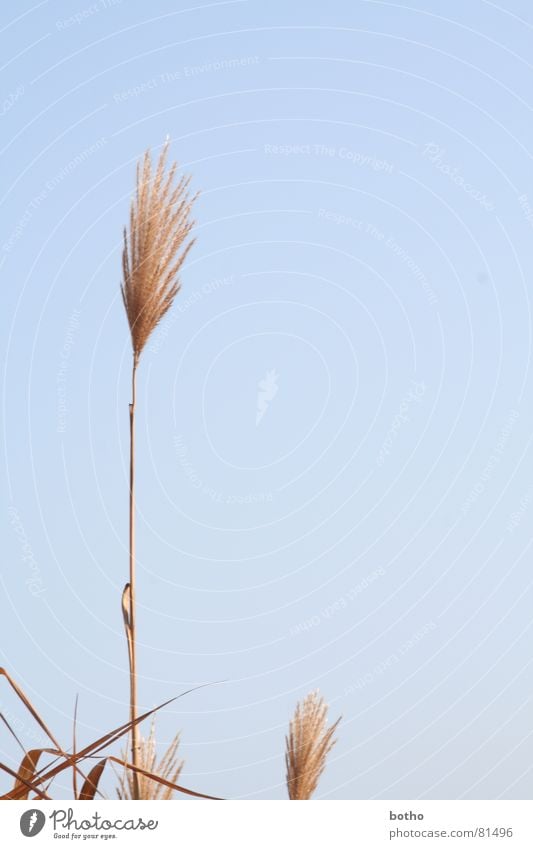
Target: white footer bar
{"x":272,"y":825}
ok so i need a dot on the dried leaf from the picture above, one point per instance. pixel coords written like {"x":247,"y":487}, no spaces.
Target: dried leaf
{"x":90,"y":785}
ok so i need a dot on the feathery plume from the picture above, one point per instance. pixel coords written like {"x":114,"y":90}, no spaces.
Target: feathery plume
{"x":169,"y":767}
{"x":156,"y":246}
{"x":307,"y":746}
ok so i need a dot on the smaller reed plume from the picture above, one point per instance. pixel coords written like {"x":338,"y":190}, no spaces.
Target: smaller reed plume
{"x":169,"y":768}
{"x":307,"y":746}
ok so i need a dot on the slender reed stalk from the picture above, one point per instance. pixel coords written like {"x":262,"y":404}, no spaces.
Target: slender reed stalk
{"x":132,"y":583}
{"x":307,"y":746}
{"x":154,"y":251}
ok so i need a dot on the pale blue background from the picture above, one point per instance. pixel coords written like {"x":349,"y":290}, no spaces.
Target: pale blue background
{"x":255,"y":530}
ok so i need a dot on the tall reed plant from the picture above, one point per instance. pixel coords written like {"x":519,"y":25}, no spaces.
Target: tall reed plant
{"x":156,"y":244}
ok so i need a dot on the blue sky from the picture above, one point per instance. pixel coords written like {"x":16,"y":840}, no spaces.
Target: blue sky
{"x":335,"y":481}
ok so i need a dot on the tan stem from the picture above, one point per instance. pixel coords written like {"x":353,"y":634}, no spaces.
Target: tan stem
{"x":132,"y":657}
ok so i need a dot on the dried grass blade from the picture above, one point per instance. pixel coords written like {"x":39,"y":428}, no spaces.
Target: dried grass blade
{"x":74,"y":770}
{"x":126,"y":606}
{"x":153,"y":777}
{"x":27,"y":770}
{"x":28,"y":705}
{"x":27,"y":784}
{"x":12,"y":732}
{"x":90,"y":785}
{"x":89,"y":751}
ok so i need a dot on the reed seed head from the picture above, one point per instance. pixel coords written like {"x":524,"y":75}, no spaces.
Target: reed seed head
{"x":169,"y":767}
{"x":307,"y":746}
{"x":156,"y":245}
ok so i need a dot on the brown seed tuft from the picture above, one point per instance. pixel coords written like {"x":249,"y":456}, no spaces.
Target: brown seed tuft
{"x":307,"y":746}
{"x":169,"y":768}
{"x":155,"y":247}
